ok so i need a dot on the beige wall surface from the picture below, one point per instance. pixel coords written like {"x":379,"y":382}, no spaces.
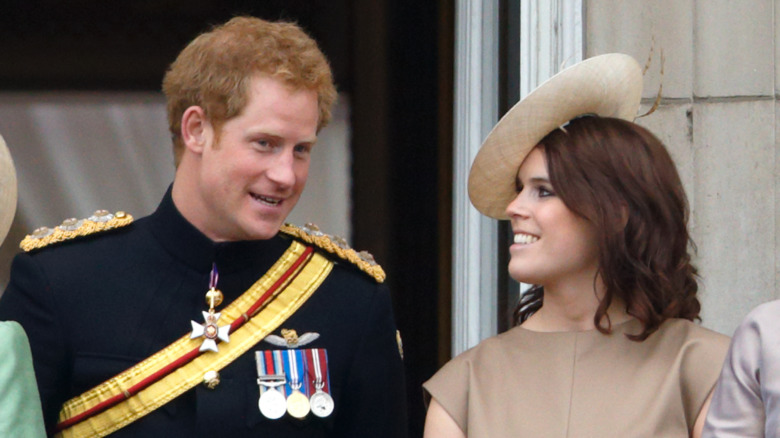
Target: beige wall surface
{"x":719,"y":118}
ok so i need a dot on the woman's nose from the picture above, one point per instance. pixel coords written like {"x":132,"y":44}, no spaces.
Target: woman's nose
{"x":517,"y":207}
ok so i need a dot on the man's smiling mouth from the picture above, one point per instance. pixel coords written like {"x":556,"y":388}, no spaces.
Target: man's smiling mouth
{"x":273,"y":202}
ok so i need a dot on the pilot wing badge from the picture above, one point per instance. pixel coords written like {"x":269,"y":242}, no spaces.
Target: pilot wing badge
{"x":290,"y":339}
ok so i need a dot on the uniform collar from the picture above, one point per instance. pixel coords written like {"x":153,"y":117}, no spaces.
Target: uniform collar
{"x":185,"y":242}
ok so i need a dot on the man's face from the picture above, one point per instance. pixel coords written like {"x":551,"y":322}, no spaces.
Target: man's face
{"x":252,"y":174}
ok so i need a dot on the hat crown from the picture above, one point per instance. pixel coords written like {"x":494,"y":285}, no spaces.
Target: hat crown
{"x":607,"y":85}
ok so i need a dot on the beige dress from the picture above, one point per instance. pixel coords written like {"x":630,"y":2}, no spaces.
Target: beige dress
{"x":582,"y":384}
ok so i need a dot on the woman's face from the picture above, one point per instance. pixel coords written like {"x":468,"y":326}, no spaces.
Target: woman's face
{"x":551,"y":244}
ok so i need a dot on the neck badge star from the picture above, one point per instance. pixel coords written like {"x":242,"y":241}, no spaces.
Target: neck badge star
{"x":211,"y":331}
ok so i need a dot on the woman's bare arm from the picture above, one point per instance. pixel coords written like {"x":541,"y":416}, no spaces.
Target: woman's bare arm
{"x":439,"y":424}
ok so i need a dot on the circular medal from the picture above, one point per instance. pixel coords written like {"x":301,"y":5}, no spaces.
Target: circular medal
{"x":321,"y":404}
{"x":298,"y":404}
{"x":272,"y":404}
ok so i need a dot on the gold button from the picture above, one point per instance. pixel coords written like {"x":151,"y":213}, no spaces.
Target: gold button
{"x":214,"y":298}
{"x":211,"y":379}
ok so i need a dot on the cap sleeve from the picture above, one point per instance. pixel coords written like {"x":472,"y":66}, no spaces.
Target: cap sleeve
{"x":450,"y":387}
{"x":702,"y":361}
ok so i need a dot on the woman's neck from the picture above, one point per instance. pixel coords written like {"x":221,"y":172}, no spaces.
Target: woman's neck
{"x":572,"y":306}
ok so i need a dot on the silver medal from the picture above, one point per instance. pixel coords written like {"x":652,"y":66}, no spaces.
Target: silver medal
{"x":272,"y":404}
{"x":321,"y":403}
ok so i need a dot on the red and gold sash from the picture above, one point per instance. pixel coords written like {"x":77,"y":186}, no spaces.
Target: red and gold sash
{"x":179,"y":367}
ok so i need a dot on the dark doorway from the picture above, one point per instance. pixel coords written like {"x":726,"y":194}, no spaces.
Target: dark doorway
{"x":402,"y":151}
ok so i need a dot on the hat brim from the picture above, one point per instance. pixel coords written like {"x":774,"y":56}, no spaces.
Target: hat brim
{"x":607,"y":85}
{"x":7,"y":190}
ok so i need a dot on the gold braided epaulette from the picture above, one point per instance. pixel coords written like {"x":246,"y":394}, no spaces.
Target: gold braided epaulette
{"x":71,"y":228}
{"x":311,"y":234}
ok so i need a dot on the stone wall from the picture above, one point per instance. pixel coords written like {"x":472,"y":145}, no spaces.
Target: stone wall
{"x":719,"y":119}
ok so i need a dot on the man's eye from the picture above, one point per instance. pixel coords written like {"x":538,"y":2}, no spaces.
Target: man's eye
{"x":302,"y":149}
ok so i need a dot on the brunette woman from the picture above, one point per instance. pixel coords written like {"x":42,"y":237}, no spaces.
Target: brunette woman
{"x":606,"y":344}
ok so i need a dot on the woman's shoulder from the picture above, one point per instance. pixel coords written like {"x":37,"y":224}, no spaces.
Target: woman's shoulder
{"x":477,"y":366}
{"x":760,"y":326}
{"x":510,"y":348}
{"x":692,"y":339}
{"x":516,"y":338}
{"x":690,"y":330}
{"x":9,"y":328}
{"x":13,"y":335}
{"x":764,"y":315}
{"x":14,"y":349}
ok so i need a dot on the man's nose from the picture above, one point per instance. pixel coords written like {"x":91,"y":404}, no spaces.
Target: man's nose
{"x":282,"y":170}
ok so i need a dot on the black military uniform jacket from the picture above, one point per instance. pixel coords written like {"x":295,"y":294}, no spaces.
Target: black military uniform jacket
{"x":95,"y":306}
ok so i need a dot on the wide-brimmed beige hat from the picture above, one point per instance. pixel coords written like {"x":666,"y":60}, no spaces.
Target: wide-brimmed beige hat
{"x":606,"y":85}
{"x":7,"y":190}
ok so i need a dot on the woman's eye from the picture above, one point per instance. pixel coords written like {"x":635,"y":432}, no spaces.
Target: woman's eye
{"x":544,"y":192}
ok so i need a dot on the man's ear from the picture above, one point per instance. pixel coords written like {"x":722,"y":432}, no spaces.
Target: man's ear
{"x":196,"y":130}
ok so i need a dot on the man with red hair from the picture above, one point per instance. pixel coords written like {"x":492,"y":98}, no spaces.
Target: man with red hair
{"x":212,"y":317}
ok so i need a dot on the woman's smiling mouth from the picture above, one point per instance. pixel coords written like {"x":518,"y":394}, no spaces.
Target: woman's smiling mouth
{"x":525,"y":239}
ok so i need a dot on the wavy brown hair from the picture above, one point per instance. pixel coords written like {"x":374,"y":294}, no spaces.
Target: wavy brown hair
{"x":215,"y":69}
{"x":620,"y":177}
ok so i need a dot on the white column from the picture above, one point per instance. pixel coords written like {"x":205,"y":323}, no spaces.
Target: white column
{"x":550,"y":38}
{"x":476,"y":111}
{"x":551,"y":34}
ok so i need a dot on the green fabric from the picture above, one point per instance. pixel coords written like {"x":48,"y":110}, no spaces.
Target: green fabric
{"x":20,"y":405}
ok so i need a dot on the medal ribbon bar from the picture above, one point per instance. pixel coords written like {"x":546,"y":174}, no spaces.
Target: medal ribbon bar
{"x":317,"y":368}
{"x":293,"y":363}
{"x":268,"y":376}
